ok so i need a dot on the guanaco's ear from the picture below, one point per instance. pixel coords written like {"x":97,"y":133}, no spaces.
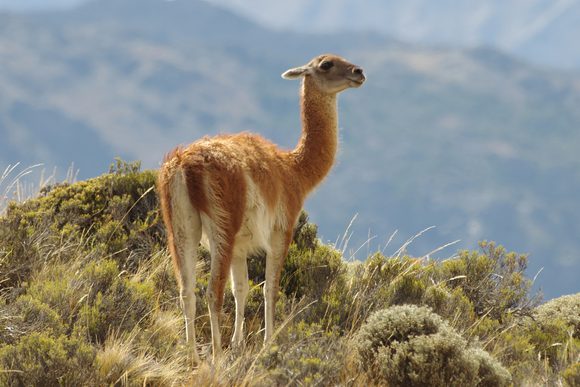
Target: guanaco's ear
{"x":296,"y":72}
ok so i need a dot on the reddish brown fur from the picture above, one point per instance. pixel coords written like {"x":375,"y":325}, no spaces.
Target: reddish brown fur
{"x":219,"y":162}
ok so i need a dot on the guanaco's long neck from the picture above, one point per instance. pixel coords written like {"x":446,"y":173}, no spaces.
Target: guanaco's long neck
{"x":316,"y":150}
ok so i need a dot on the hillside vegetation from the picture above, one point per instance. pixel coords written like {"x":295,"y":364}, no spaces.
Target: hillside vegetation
{"x":87,"y":297}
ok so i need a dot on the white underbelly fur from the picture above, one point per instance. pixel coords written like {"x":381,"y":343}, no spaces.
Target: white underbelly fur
{"x":258,"y":225}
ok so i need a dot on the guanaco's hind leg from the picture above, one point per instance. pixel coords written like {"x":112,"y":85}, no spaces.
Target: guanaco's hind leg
{"x":187,"y":230}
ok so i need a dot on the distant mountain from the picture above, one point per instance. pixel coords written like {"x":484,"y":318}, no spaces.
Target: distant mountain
{"x":542,"y":31}
{"x":47,"y":135}
{"x":473,"y":141}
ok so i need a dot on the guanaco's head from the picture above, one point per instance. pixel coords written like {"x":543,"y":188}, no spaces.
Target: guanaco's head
{"x":331,"y":73}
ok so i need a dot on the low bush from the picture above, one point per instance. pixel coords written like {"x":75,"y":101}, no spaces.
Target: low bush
{"x":36,"y":316}
{"x":493,"y":280}
{"x":409,"y":345}
{"x":378,"y":283}
{"x":565,"y":308}
{"x":310,"y":274}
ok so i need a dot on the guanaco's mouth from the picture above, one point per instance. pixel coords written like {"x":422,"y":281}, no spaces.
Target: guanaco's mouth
{"x":357,"y":82}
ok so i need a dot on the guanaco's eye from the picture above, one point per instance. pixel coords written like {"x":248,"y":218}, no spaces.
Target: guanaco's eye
{"x":326,"y":65}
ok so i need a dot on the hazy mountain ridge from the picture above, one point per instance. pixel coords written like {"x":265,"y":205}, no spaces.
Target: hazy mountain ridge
{"x":540,"y":30}
{"x":473,"y":141}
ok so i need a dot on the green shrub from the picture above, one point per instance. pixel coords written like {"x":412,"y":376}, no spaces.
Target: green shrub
{"x":61,"y":293}
{"x":27,"y":315}
{"x":555,"y":334}
{"x":37,"y":316}
{"x":306,"y":233}
{"x":310,"y":274}
{"x":411,"y":346}
{"x":394,"y":324}
{"x":379,"y":283}
{"x":99,"y":276}
{"x":117,"y":213}
{"x":451,"y":304}
{"x":493,"y":280}
{"x":435,"y":360}
{"x":121,"y":307}
{"x":407,"y":290}
{"x":490,"y":373}
{"x":565,"y":308}
{"x":549,"y":338}
{"x":42,"y":360}
{"x":542,"y":347}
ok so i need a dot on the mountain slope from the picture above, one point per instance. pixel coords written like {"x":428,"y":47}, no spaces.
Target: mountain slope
{"x":475,"y":142}
{"x":540,"y":30}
